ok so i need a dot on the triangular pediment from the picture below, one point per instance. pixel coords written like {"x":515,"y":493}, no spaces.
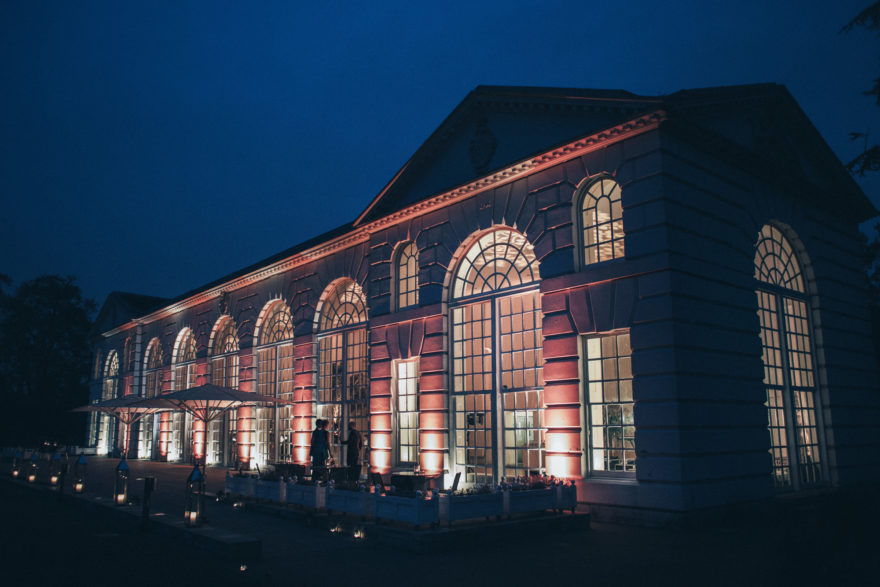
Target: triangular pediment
{"x":495,"y":127}
{"x":766,"y":121}
{"x":120,"y":307}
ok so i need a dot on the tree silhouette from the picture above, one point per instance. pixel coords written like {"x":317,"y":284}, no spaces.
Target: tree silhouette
{"x":44,"y":359}
{"x":869,"y":159}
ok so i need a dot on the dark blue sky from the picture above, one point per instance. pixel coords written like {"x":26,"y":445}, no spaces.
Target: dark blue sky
{"x":155,"y":146}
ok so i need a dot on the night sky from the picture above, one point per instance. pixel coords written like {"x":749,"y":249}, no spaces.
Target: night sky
{"x":155,"y":146}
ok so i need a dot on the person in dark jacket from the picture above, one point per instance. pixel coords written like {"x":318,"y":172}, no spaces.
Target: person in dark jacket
{"x":319,"y":450}
{"x":354,"y":447}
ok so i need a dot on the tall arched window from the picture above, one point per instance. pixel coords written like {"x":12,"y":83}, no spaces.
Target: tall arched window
{"x":176,"y":427}
{"x":343,"y":377}
{"x":789,"y":364}
{"x":497,"y":360}
{"x":274,"y":434}
{"x":224,"y":372}
{"x":406,"y":275}
{"x":109,"y":390}
{"x":152,"y":388}
{"x":601,"y":220}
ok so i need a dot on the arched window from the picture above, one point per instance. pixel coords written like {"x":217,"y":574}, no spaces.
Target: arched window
{"x":152,"y":388}
{"x":111,"y":377}
{"x":224,"y":372}
{"x":109,"y":390}
{"x":601,"y":220}
{"x":343,"y":376}
{"x":497,"y":359}
{"x":185,"y":360}
{"x":152,"y":372}
{"x":406,"y":275}
{"x":128,"y":356}
{"x":175,"y":427}
{"x":274,"y":436}
{"x":789,"y":364}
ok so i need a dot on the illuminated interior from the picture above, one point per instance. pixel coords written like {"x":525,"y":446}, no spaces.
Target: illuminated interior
{"x":224,"y":372}
{"x":788,"y":363}
{"x":343,"y":376}
{"x":602,"y":221}
{"x":274,"y":440}
{"x":496,"y":360}
{"x":407,"y":411}
{"x":152,"y":388}
{"x":407,"y":266}
{"x":610,"y":400}
{"x":184,"y":377}
{"x":109,"y":390}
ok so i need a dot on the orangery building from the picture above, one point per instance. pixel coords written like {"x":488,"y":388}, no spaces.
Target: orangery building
{"x":660,"y":298}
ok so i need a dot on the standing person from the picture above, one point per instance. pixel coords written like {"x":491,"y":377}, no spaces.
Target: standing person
{"x":319,"y":449}
{"x":355,"y":444}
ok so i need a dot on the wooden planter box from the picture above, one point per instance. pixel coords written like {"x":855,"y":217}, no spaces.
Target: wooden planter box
{"x":244,"y":486}
{"x":566,"y":497}
{"x":467,"y":507}
{"x":313,"y":496}
{"x":530,"y":500}
{"x":358,"y":503}
{"x":270,"y":490}
{"x":411,"y":510}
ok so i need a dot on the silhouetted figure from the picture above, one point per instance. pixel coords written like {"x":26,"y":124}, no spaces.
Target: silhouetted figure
{"x":319,"y":450}
{"x":355,"y":445}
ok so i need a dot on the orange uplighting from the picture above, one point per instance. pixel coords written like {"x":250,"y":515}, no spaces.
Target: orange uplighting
{"x":432,"y":462}
{"x":164,"y":433}
{"x":380,"y":460}
{"x":245,"y":434}
{"x":198,"y":439}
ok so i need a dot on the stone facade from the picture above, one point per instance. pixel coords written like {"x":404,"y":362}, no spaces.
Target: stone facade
{"x":700,"y":173}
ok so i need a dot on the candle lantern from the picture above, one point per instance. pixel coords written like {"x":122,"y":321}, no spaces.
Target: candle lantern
{"x":55,"y":470}
{"x":16,"y":464}
{"x":34,"y":466}
{"x":120,"y":486}
{"x":195,"y":487}
{"x":79,"y":474}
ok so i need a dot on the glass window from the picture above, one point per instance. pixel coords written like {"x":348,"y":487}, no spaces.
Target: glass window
{"x":407,"y":275}
{"x":610,"y":403}
{"x":601,"y":221}
{"x":152,"y":388}
{"x":275,"y":379}
{"x":497,"y":362}
{"x":224,"y":372}
{"x":407,"y":410}
{"x":109,"y":390}
{"x":789,"y":379}
{"x":343,"y":365}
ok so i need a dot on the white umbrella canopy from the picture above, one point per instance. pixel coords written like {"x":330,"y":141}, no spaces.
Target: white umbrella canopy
{"x":208,"y":402}
{"x":128,"y":409}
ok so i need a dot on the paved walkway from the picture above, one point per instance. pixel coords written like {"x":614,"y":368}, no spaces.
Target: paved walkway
{"x":812,"y":542}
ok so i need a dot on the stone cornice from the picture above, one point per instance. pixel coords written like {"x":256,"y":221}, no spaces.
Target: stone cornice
{"x":362,"y":233}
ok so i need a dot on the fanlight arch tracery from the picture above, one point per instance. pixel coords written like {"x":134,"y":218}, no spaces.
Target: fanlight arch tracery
{"x":789,"y":363}
{"x":343,"y":388}
{"x":601,"y":220}
{"x":496,"y":260}
{"x":111,"y":374}
{"x":344,"y":304}
{"x":775,"y":260}
{"x":276,"y":325}
{"x":496,"y":355}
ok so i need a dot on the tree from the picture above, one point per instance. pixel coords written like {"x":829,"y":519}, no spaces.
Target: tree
{"x":44,"y":359}
{"x":869,"y":159}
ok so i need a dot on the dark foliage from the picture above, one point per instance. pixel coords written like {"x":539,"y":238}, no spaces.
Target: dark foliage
{"x":869,"y":159}
{"x":44,"y":360}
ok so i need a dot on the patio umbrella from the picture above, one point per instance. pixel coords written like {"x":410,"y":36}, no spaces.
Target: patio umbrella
{"x":208,"y":402}
{"x":128,"y":409}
